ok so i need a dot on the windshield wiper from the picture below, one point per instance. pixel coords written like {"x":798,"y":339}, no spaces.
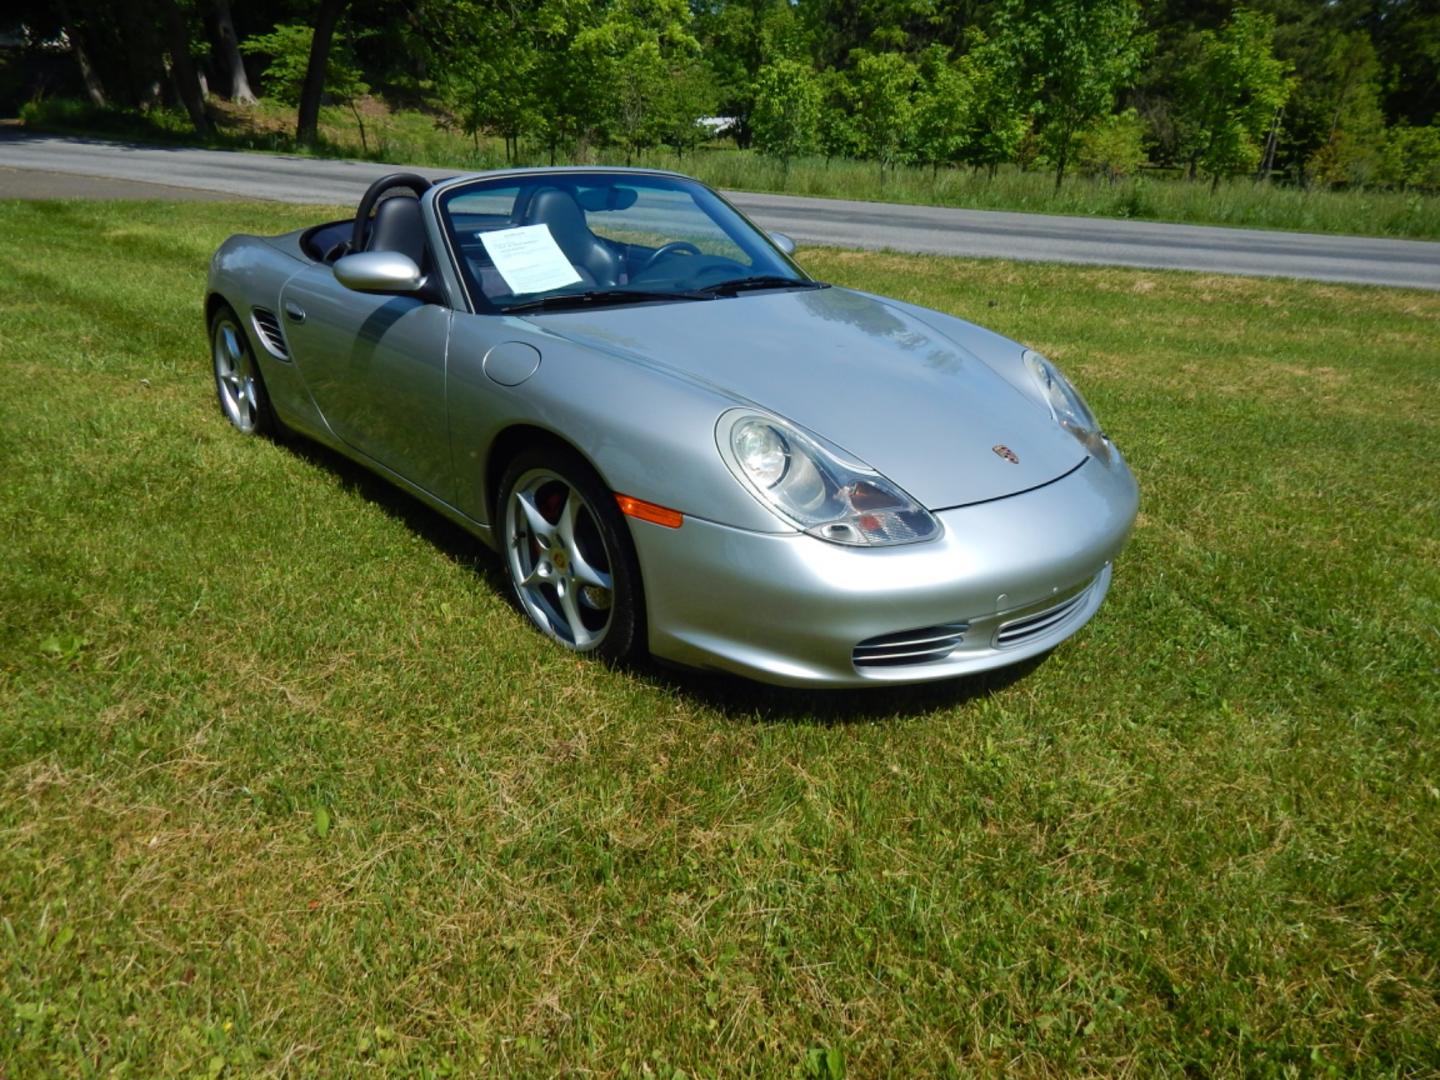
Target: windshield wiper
{"x":760,"y":281}
{"x":560,"y":301}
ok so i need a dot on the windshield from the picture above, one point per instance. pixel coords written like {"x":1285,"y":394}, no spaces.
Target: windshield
{"x":544,"y":240}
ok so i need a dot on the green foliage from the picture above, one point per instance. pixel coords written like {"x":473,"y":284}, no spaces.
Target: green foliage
{"x":287,"y":51}
{"x":691,"y":94}
{"x":984,"y":83}
{"x":1114,"y":147}
{"x":1411,"y":157}
{"x":999,"y":113}
{"x":490,"y":89}
{"x":739,"y":38}
{"x":786,"y":118}
{"x":1080,"y":53}
{"x":287,"y":48}
{"x":632,"y":56}
{"x":1351,"y":152}
{"x":838,"y":131}
{"x":944,"y":112}
{"x":1231,"y":93}
{"x":884,"y":109}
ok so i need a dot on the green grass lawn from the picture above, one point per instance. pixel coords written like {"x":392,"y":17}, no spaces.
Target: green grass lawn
{"x":287,"y":786}
{"x":415,"y":138}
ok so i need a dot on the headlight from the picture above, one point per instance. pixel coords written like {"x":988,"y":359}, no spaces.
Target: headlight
{"x":1066,"y":405}
{"x":815,"y":488}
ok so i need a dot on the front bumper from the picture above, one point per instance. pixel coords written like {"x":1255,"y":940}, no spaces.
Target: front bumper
{"x":1018,"y":576}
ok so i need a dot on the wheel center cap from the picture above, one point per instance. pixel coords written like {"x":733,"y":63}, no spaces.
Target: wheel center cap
{"x":560,"y":560}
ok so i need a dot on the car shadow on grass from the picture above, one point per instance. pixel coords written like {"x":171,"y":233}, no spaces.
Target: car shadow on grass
{"x":745,"y":700}
{"x":450,"y":539}
{"x":733,"y":696}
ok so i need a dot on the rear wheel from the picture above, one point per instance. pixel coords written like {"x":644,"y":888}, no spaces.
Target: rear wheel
{"x":569,"y":555}
{"x":238,"y":383}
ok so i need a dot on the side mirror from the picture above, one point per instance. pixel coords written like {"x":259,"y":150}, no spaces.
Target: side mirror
{"x":783,"y":242}
{"x":379,"y":272}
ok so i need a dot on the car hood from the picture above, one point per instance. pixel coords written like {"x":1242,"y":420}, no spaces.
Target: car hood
{"x":895,"y":393}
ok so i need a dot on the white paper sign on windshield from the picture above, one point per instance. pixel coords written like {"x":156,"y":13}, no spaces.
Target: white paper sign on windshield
{"x":529,"y":259}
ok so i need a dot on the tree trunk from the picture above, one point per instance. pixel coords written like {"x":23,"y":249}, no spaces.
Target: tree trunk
{"x":229,"y":53}
{"x":1064,"y":158}
{"x":307,"y":124}
{"x":143,"y":67}
{"x":360,"y":123}
{"x":1267,"y":159}
{"x":187,"y":83}
{"x":94,"y":88}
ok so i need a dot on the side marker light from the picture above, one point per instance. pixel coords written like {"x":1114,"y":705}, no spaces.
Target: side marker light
{"x":647,"y":511}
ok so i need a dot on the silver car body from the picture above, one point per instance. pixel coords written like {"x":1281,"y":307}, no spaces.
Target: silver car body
{"x":434,"y":395}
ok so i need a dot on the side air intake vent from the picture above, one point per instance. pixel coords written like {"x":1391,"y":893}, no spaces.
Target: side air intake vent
{"x":267,"y":326}
{"x":910,"y":646}
{"x":1020,"y":630}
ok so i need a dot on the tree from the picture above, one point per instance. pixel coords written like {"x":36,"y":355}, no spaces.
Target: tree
{"x":691,"y":94}
{"x":738,"y":38}
{"x":838,"y":134}
{"x":187,"y":81}
{"x":290,"y":48}
{"x":487,"y":89}
{"x":1411,"y":157}
{"x":1352,"y":147}
{"x":884,"y":112}
{"x":1113,"y":147}
{"x":786,"y":120}
{"x":1080,"y":53}
{"x":287,"y":53}
{"x":229,"y":52}
{"x":313,"y":88}
{"x":1229,"y":95}
{"x":944,"y":108}
{"x":75,"y":33}
{"x":1000,"y":115}
{"x":630,"y":54}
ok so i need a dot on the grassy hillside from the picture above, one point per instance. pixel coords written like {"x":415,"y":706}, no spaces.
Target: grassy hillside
{"x":287,"y":786}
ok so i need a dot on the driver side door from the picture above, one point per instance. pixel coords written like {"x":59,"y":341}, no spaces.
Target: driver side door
{"x":375,"y":366}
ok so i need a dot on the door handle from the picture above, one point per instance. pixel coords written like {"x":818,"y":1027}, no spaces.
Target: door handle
{"x":294,"y":312}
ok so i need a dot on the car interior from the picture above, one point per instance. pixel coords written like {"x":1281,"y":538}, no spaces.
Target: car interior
{"x":570,"y":209}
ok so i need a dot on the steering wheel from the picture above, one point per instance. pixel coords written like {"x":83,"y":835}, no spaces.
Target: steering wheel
{"x":665,"y":250}
{"x":415,"y":182}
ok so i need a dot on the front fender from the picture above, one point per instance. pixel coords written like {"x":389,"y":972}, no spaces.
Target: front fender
{"x":648,"y":431}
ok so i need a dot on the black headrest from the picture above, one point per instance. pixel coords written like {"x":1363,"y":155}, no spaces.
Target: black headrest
{"x":559,"y":210}
{"x":399,"y":227}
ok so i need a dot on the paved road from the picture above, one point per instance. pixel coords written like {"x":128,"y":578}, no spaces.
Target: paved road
{"x":131,"y":171}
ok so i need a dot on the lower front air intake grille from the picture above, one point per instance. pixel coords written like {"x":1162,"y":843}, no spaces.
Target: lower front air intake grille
{"x":1020,"y":630}
{"x":268,"y":327}
{"x":910,"y":646}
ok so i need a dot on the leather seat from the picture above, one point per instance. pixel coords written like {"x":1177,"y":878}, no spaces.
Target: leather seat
{"x":589,"y":254}
{"x":399,"y":227}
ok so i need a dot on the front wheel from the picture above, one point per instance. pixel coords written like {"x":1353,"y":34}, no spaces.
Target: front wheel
{"x":238,"y":384}
{"x":569,"y":555}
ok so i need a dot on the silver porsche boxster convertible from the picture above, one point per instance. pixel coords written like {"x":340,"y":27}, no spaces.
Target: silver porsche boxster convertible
{"x":677,"y":440}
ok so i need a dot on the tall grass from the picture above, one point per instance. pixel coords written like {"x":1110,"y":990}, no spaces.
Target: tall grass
{"x":414,"y":138}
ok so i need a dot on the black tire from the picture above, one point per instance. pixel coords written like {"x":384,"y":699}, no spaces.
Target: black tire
{"x":239,"y":384}
{"x":548,"y":477}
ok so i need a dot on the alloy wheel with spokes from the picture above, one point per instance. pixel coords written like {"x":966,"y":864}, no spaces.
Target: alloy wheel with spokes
{"x":237,"y":377}
{"x":569,"y":556}
{"x":558,"y":560}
